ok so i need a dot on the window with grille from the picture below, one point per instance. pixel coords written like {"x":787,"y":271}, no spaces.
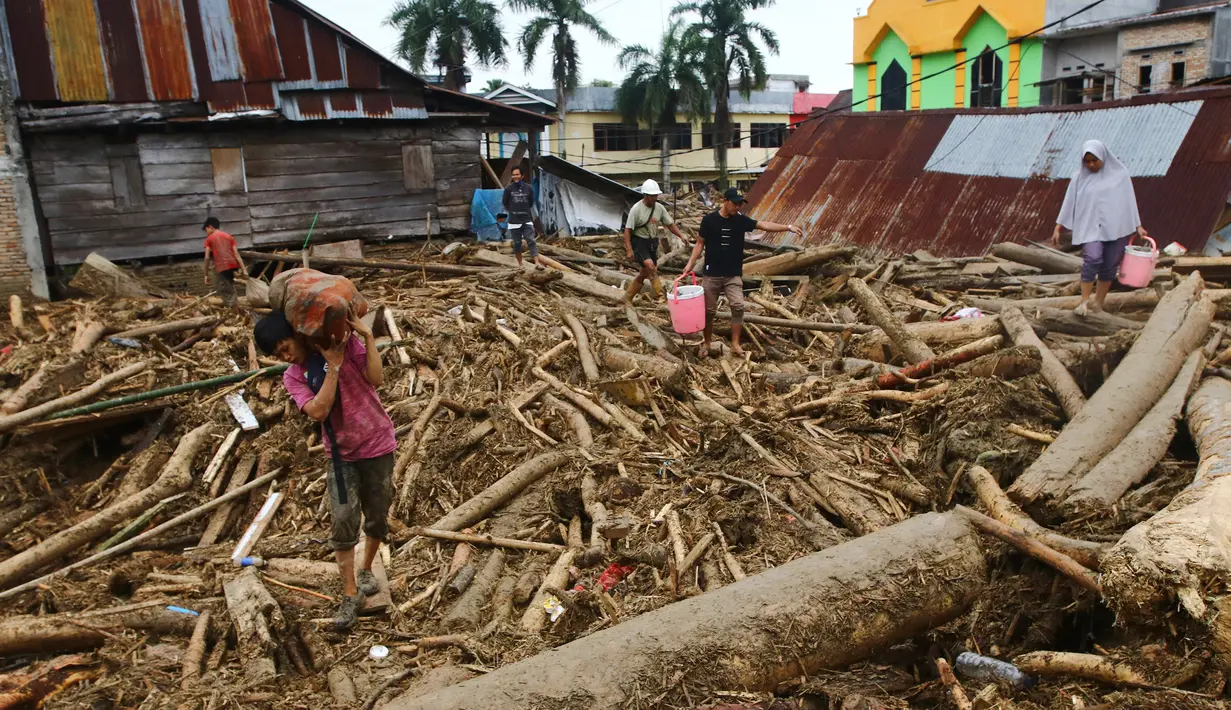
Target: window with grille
{"x":987,"y":80}
{"x":768,"y":135}
{"x":620,"y":136}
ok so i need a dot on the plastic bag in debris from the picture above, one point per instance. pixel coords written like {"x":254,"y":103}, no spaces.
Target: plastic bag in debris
{"x":316,"y":304}
{"x":1175,"y":249}
{"x":965,"y":313}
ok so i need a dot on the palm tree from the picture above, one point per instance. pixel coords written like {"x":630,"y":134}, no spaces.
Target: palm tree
{"x":660,"y":86}
{"x":560,"y":18}
{"x":448,"y":30}
{"x":492,"y":85}
{"x":730,"y":46}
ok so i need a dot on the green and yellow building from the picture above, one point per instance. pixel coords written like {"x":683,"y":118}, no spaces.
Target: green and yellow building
{"x":900,"y":41}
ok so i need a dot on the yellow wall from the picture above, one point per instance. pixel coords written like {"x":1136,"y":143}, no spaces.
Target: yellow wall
{"x":928,"y":26}
{"x":695,"y":165}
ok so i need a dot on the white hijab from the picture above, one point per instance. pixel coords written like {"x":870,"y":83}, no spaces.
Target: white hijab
{"x":1102,"y":206}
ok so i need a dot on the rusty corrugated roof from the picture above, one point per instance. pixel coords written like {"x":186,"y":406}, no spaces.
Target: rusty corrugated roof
{"x":234,"y":55}
{"x":956,"y":181}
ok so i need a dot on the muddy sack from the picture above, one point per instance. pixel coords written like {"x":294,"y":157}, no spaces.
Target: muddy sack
{"x":315,"y":303}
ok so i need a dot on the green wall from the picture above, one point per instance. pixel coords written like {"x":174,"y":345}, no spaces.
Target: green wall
{"x":891,"y":47}
{"x":1030,"y":73}
{"x":860,"y":91}
{"x":938,"y":91}
{"x":986,"y":32}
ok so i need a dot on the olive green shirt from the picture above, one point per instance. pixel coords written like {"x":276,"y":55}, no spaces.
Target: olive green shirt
{"x":643,"y":223}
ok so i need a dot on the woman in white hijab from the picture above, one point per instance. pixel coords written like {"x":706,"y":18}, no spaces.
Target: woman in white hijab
{"x":1100,"y":208}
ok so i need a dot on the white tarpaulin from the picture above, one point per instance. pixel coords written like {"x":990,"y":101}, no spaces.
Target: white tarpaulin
{"x":577,"y":210}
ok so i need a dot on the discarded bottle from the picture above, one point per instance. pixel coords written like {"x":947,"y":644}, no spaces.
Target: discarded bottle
{"x":182,"y":610}
{"x":252,"y":561}
{"x":975,"y":667}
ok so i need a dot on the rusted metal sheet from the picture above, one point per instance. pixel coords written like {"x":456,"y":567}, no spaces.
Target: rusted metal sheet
{"x":258,"y":44}
{"x":896,"y":183}
{"x":260,"y":95}
{"x":72,"y":28}
{"x":166,"y":49}
{"x":221,"y":44}
{"x":377,"y":104}
{"x":36,"y":79}
{"x":292,"y":32}
{"x":326,"y":54}
{"x":122,"y":47}
{"x":362,"y":71}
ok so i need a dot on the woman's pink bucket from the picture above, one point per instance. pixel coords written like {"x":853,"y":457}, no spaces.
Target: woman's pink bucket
{"x":687,"y":306}
{"x":1137,"y":267}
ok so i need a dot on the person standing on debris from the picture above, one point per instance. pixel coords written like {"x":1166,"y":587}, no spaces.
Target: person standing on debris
{"x":336,"y":385}
{"x":519,"y":203}
{"x":722,"y":237}
{"x":641,"y":238}
{"x":221,"y":248}
{"x":1100,"y":208}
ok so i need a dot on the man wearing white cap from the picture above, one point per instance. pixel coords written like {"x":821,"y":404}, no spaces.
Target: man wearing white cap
{"x":641,"y":238}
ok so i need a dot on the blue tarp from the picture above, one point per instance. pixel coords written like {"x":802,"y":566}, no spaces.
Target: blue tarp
{"x":484,"y":207}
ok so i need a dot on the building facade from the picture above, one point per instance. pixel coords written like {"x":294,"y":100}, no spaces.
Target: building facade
{"x":1133,"y":47}
{"x":926,"y":54}
{"x":596,"y":137}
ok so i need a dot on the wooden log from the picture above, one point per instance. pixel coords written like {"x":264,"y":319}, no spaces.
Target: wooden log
{"x":955,"y":688}
{"x":1049,"y":261}
{"x":26,"y":635}
{"x":860,"y":515}
{"x":927,"y":368}
{"x":582,"y":434}
{"x":466,"y":613}
{"x":535,"y":616}
{"x":14,"y":519}
{"x":175,"y":478}
{"x":87,"y":335}
{"x":391,"y":324}
{"x":1177,"y":327}
{"x":1217,"y":268}
{"x":582,"y":402}
{"x":220,"y":458}
{"x":1144,"y":298}
{"x":577,"y":282}
{"x":911,"y":346}
{"x":1054,"y":372}
{"x":1131,"y":461}
{"x":857,"y":328}
{"x":98,"y":276}
{"x":621,"y":361}
{"x":177,"y":326}
{"x":727,"y":636}
{"x":796,"y":262}
{"x":1181,"y":552}
{"x":292,"y":258}
{"x":12,"y":421}
{"x":1081,"y":665}
{"x":257,"y":527}
{"x":944,"y":333}
{"x":501,"y":492}
{"x":507,"y":542}
{"x":222,"y":516}
{"x":588,"y":364}
{"x":17,"y":401}
{"x":191,"y":665}
{"x":1092,"y":324}
{"x":1007,"y":512}
{"x":556,"y":351}
{"x":1056,"y":560}
{"x":16,"y":318}
{"x":256,"y":616}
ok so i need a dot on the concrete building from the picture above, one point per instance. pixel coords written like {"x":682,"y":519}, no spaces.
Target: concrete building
{"x":1123,"y":48}
{"x":597,"y":138}
{"x":901,"y":44}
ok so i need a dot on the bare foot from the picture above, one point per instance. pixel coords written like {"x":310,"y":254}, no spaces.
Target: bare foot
{"x":1096,"y":307}
{"x":1081,"y":309}
{"x":704,"y":352}
{"x":737,"y":351}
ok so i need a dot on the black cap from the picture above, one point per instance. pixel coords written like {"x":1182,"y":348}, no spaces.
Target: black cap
{"x":733,"y":195}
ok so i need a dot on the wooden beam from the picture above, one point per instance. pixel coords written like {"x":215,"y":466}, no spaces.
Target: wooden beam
{"x":491,"y":172}
{"x":519,"y":154}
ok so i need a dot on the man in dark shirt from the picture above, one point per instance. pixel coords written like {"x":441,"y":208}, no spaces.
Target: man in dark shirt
{"x":722,"y":237}
{"x":519,"y":203}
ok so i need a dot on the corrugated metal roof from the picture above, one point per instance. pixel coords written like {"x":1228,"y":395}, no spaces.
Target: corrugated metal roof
{"x":235,"y":55}
{"x":956,"y":181}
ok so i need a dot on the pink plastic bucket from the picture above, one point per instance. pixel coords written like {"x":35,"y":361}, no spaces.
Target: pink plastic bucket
{"x":687,"y":306}
{"x":1137,"y":268}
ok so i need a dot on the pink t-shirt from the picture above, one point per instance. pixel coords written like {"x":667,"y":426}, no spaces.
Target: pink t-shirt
{"x":363,"y":429}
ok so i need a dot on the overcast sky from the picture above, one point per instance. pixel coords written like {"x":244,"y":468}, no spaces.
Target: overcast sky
{"x":815,"y":36}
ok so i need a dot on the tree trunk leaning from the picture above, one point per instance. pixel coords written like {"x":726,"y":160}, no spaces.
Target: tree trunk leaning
{"x":1130,"y":462}
{"x":911,"y":346}
{"x":1054,"y":372}
{"x":732,"y":636}
{"x":1181,"y":551}
{"x":175,"y":478}
{"x":588,"y":364}
{"x":53,"y":633}
{"x":501,"y":492}
{"x":796,"y":262}
{"x":1177,"y":327}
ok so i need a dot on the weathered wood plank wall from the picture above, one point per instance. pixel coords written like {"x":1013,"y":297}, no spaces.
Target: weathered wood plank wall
{"x":147,"y":197}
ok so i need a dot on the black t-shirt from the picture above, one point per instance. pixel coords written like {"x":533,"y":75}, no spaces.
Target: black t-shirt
{"x":519,"y":202}
{"x":724,"y":243}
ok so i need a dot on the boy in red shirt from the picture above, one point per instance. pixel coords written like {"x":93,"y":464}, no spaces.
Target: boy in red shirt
{"x":221,"y":247}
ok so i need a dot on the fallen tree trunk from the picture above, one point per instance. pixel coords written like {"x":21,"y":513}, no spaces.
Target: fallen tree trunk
{"x":873,"y":345}
{"x":1092,"y":324}
{"x":1056,"y":560}
{"x":795,"y":262}
{"x":1049,"y":261}
{"x":256,"y":615}
{"x":734,"y":636}
{"x":1182,"y":550}
{"x":577,"y":282}
{"x":295,"y":258}
{"x":175,"y":478}
{"x":1145,"y":298}
{"x":662,"y":369}
{"x":17,"y":401}
{"x":1081,"y":665}
{"x":98,"y":276}
{"x":857,"y":328}
{"x":943,"y":362}
{"x":1130,"y":462}
{"x":909,"y":344}
{"x":1054,"y":372}
{"x":26,"y":416}
{"x":501,"y":492}
{"x":177,"y":326}
{"x":1177,"y":327}
{"x":22,"y":635}
{"x":588,"y":365}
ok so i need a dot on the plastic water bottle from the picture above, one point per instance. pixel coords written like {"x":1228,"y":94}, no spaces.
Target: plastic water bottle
{"x":252,"y":561}
{"x":975,"y":667}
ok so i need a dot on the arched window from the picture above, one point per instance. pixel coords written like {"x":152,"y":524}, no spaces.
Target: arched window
{"x":893,"y":88}
{"x":986,"y":79}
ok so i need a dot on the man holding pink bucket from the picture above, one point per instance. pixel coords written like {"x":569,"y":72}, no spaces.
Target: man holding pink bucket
{"x":1100,"y":207}
{"x":722,"y":236}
